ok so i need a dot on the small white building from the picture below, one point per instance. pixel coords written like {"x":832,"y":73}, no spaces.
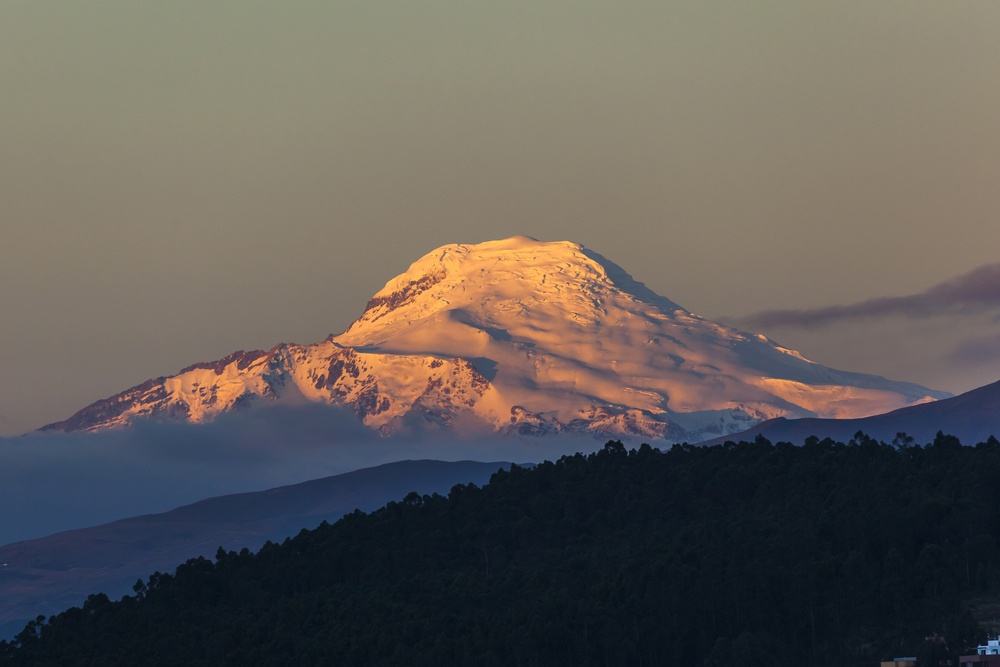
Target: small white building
{"x":991,"y":647}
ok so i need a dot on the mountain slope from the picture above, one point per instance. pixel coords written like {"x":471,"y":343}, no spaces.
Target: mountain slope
{"x":45,"y":575}
{"x":523,"y":336}
{"x":972,"y":417}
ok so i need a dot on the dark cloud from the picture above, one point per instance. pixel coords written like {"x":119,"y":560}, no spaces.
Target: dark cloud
{"x":981,"y":350}
{"x":972,"y":292}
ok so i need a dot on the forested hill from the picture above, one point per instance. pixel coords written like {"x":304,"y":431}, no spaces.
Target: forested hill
{"x":745,"y":554}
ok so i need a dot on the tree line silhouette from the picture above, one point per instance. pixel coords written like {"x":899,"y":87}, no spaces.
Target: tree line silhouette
{"x":747,"y":553}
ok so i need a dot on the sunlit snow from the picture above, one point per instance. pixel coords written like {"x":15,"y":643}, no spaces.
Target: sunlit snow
{"x":531,"y":337}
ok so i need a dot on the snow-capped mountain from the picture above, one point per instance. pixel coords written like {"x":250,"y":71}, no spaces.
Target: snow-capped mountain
{"x":529,"y":337}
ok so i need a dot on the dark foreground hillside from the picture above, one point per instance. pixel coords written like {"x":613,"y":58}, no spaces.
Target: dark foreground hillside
{"x":749,"y":554}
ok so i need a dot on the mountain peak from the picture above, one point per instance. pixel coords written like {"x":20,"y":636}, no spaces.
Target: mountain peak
{"x":519,"y":274}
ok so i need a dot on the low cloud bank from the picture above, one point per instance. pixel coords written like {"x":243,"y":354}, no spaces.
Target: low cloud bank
{"x":53,"y":482}
{"x":972,"y":292}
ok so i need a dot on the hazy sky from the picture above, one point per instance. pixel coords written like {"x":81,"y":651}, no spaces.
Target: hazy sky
{"x":179,"y":180}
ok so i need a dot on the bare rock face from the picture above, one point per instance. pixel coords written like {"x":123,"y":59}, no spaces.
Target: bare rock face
{"x":385,"y":303}
{"x":522,"y":337}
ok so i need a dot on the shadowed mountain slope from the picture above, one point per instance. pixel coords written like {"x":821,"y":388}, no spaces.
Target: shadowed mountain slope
{"x":45,"y":575}
{"x":972,"y":417}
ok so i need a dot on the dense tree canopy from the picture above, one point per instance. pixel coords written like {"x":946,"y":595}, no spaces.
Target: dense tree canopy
{"x":741,"y":554}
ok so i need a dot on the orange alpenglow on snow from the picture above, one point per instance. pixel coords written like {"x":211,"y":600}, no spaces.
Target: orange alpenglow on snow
{"x":527,"y":337}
